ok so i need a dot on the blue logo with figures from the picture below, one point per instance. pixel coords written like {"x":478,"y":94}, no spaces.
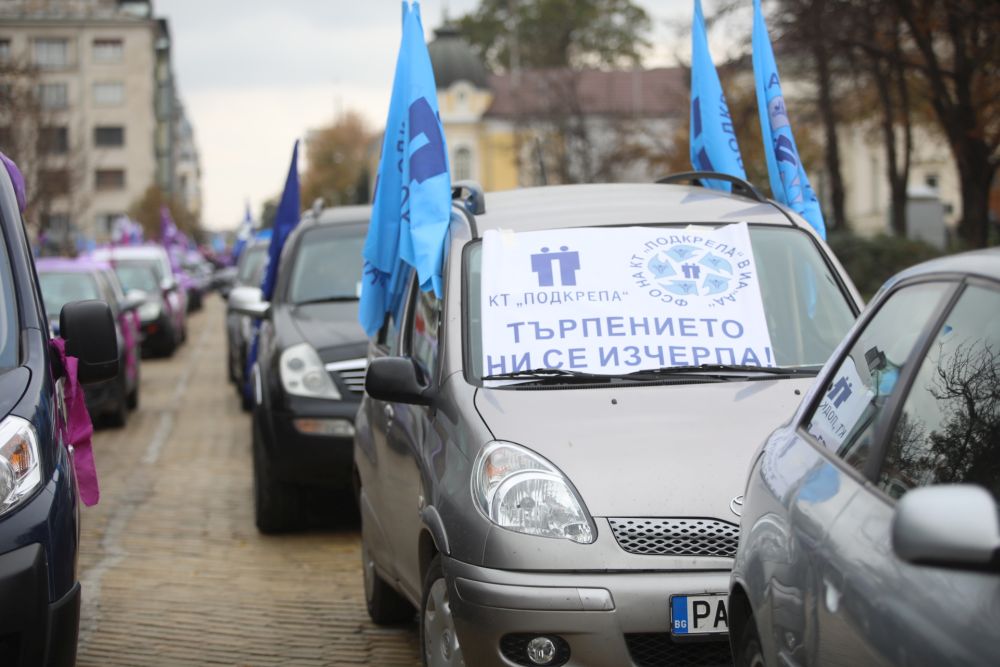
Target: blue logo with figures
{"x":686,"y":268}
{"x":543,"y":264}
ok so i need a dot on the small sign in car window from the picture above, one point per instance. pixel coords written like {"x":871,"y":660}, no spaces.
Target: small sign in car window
{"x":616,"y":300}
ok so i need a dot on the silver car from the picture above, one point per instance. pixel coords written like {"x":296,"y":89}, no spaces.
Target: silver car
{"x":870,"y":531}
{"x":540,"y":508}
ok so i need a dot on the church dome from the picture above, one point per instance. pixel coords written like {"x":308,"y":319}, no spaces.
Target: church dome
{"x":454,"y":59}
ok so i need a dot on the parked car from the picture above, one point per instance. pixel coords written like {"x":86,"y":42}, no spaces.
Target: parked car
{"x":870,"y":531}
{"x":164,"y":315}
{"x":549,"y":456}
{"x":65,"y":280}
{"x":239,"y":327}
{"x":310,"y":368}
{"x":39,"y":512}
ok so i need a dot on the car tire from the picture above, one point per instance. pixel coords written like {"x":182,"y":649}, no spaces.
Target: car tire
{"x":119,"y":415}
{"x":385,"y":605}
{"x":133,"y":397}
{"x":274,"y":503}
{"x":748,"y":650}
{"x":231,"y":367}
{"x":439,"y":645}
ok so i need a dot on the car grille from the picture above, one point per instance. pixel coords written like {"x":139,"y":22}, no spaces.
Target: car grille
{"x":351,"y":372}
{"x":658,"y":649}
{"x":676,"y":537}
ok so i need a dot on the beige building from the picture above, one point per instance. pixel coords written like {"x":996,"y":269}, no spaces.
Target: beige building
{"x":106,"y":107}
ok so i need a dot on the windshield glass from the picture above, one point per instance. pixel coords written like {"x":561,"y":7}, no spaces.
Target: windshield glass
{"x":328,"y":264}
{"x":673,"y":300}
{"x":251,"y":271}
{"x":8,"y":313}
{"x":137,"y":275}
{"x":58,"y":289}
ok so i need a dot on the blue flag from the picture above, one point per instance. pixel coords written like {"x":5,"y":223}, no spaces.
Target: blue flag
{"x":789,"y":182}
{"x":285,"y":220}
{"x":243,"y":235}
{"x":412,"y":206}
{"x":713,"y":140}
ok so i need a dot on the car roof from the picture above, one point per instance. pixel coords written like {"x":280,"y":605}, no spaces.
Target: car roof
{"x":339,"y":215}
{"x":81,"y":264}
{"x":618,"y":204}
{"x":983,"y":263}
{"x":130,"y":251}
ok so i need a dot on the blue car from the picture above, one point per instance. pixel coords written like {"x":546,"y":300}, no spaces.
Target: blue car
{"x":39,"y":509}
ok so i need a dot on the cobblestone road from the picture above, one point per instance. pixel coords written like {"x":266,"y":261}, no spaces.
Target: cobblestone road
{"x":172,"y":568}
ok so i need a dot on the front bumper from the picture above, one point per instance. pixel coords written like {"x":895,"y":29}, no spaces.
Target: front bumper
{"x":606,"y":618}
{"x":158,"y":334}
{"x":34,"y":631}
{"x":302,"y":458}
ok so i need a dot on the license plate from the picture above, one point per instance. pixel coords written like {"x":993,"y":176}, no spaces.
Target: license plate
{"x":699,"y":614}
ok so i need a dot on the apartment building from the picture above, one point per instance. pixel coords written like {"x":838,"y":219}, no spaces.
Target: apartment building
{"x":94,"y":114}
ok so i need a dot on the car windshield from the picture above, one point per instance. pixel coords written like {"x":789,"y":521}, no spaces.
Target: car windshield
{"x":251,"y":271}
{"x":60,"y":288}
{"x":676,"y":301}
{"x":8,"y":313}
{"x":328,"y":264}
{"x":140,"y":275}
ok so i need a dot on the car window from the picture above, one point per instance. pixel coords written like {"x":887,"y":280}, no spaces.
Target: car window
{"x":8,"y":313}
{"x":58,"y":289}
{"x":327,"y":264}
{"x":844,"y":421}
{"x":424,"y":330}
{"x":388,"y":335}
{"x":949,"y":429}
{"x":251,"y":271}
{"x":137,"y":275}
{"x":807,"y":313}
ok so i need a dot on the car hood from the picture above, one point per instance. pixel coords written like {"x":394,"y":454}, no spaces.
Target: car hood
{"x":650,"y":451}
{"x":325,"y":325}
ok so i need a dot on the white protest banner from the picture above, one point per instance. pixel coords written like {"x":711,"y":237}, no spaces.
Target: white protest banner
{"x":620,"y":299}
{"x":842,"y":406}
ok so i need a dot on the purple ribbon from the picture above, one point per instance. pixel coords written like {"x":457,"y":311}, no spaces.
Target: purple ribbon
{"x":78,"y":428}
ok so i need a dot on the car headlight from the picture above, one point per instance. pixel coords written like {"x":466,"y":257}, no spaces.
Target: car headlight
{"x":520,"y":491}
{"x":20,"y":468}
{"x":149,"y":311}
{"x":302,"y":373}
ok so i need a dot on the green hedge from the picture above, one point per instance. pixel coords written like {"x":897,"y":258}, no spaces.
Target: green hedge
{"x":871,"y":261}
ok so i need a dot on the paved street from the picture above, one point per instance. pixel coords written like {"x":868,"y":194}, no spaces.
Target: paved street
{"x":172,"y":568}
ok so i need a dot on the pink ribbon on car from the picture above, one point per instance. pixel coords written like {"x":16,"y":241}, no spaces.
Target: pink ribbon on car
{"x":127,"y":323}
{"x":78,"y":428}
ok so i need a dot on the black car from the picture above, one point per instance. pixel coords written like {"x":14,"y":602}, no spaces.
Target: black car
{"x":39,"y":502}
{"x":249,"y":273}
{"x":309,"y":375}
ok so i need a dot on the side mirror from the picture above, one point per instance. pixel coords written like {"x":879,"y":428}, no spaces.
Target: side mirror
{"x":249,"y":301}
{"x":89,"y":331}
{"x":949,"y":525}
{"x":133,"y":299}
{"x":397,"y":379}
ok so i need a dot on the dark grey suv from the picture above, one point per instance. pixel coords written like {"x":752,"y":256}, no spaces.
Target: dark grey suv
{"x":550,"y":456}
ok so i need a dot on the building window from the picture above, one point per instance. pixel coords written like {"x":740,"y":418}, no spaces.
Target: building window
{"x":4,"y":49}
{"x":109,"y":179}
{"x":53,"y":96}
{"x":50,"y":53}
{"x":106,"y":223}
{"x":53,"y":140}
{"x":931,"y":181}
{"x":6,"y":140}
{"x":109,"y":93}
{"x":109,"y":135}
{"x":108,"y":51}
{"x":54,"y":181}
{"x":462,"y":169}
{"x":56,"y":224}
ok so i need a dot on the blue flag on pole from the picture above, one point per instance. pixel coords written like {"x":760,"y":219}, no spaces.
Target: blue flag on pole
{"x":412,"y":206}
{"x":243,"y":235}
{"x":713,"y":140}
{"x":285,"y":220}
{"x":789,"y":182}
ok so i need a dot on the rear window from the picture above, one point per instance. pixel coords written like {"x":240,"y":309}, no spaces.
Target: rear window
{"x":58,"y":289}
{"x":328,"y":264}
{"x":137,"y":275}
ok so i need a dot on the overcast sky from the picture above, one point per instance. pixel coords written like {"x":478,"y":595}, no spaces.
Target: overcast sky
{"x":254,"y":75}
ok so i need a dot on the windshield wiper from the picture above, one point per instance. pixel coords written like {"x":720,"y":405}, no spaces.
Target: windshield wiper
{"x":719,"y":369}
{"x":326,"y":299}
{"x":549,"y":374}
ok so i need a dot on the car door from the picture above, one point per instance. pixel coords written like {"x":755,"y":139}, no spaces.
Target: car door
{"x":824,"y":468}
{"x":409,"y":432}
{"x":945,"y":429}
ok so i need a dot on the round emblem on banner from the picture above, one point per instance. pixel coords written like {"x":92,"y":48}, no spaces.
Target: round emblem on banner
{"x":687,"y":270}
